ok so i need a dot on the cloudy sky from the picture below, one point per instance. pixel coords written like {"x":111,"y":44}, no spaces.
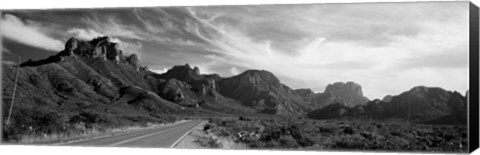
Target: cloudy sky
{"x":385,"y":47}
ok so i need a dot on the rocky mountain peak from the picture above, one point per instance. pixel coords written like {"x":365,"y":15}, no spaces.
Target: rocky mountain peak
{"x":259,"y":77}
{"x":341,"y":87}
{"x":305,"y":93}
{"x":262,"y":91}
{"x":100,"y":47}
{"x":185,"y":67}
{"x":387,"y":98}
{"x":423,"y":103}
{"x":183,"y":73}
{"x":426,"y":92}
{"x":71,"y":44}
{"x":348,"y":93}
{"x":103,"y":48}
{"x":133,"y":61}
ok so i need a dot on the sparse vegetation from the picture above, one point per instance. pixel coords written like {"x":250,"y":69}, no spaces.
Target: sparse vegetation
{"x":284,"y":133}
{"x":208,"y":142}
{"x":44,"y":126}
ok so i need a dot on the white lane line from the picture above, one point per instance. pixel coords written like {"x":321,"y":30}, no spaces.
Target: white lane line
{"x":137,"y":138}
{"x":183,"y":136}
{"x":114,"y":134}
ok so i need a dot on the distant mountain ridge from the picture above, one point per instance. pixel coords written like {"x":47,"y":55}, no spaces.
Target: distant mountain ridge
{"x":419,"y":104}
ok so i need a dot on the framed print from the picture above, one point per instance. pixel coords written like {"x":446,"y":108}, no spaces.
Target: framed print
{"x":357,"y":77}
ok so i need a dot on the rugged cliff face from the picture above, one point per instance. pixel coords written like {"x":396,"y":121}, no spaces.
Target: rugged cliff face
{"x":98,"y":48}
{"x":306,"y":94}
{"x":348,"y":94}
{"x":427,"y":103}
{"x":419,"y":104}
{"x":263,"y":91}
{"x":183,"y":73}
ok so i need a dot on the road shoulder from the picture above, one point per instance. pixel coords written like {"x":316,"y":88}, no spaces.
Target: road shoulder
{"x":200,"y":139}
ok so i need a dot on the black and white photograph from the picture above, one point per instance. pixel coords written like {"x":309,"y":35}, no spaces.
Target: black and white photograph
{"x":375,"y":77}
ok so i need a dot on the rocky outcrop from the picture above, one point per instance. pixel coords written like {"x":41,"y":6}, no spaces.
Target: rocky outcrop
{"x":183,"y":73}
{"x":307,"y":94}
{"x":177,"y":92}
{"x":196,"y":70}
{"x":204,"y":87}
{"x":102,"y":48}
{"x":70,"y":46}
{"x":114,"y":54}
{"x":132,"y":60}
{"x":350,"y":94}
{"x":98,"y":48}
{"x":263,"y":91}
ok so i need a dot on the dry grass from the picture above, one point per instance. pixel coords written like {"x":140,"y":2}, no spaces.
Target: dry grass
{"x":65,"y":137}
{"x":340,"y":135}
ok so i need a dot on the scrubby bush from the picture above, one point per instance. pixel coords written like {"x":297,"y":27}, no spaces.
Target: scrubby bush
{"x":341,"y":134}
{"x":40,"y":121}
{"x":88,"y":118}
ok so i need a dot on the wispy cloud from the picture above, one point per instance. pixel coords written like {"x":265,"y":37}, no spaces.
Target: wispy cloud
{"x":28,"y":33}
{"x":386,"y":47}
{"x":84,"y":34}
{"x":112,"y":26}
{"x":154,"y":23}
{"x":372,"y":53}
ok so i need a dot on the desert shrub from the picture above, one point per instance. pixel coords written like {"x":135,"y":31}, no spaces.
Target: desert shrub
{"x":287,"y":142}
{"x":208,"y":142}
{"x":300,"y":136}
{"x":88,"y":118}
{"x":52,"y":122}
{"x":280,"y":133}
{"x":207,"y":127}
{"x":163,"y":118}
{"x":351,"y":142}
{"x":169,"y":118}
{"x":34,"y":122}
{"x":327,"y":130}
{"x":242,"y":118}
{"x":348,"y":130}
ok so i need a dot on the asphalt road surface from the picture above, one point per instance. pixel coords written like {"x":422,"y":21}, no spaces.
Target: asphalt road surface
{"x":161,"y":137}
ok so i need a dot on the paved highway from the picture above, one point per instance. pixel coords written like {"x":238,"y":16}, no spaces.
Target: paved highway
{"x":161,"y":137}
